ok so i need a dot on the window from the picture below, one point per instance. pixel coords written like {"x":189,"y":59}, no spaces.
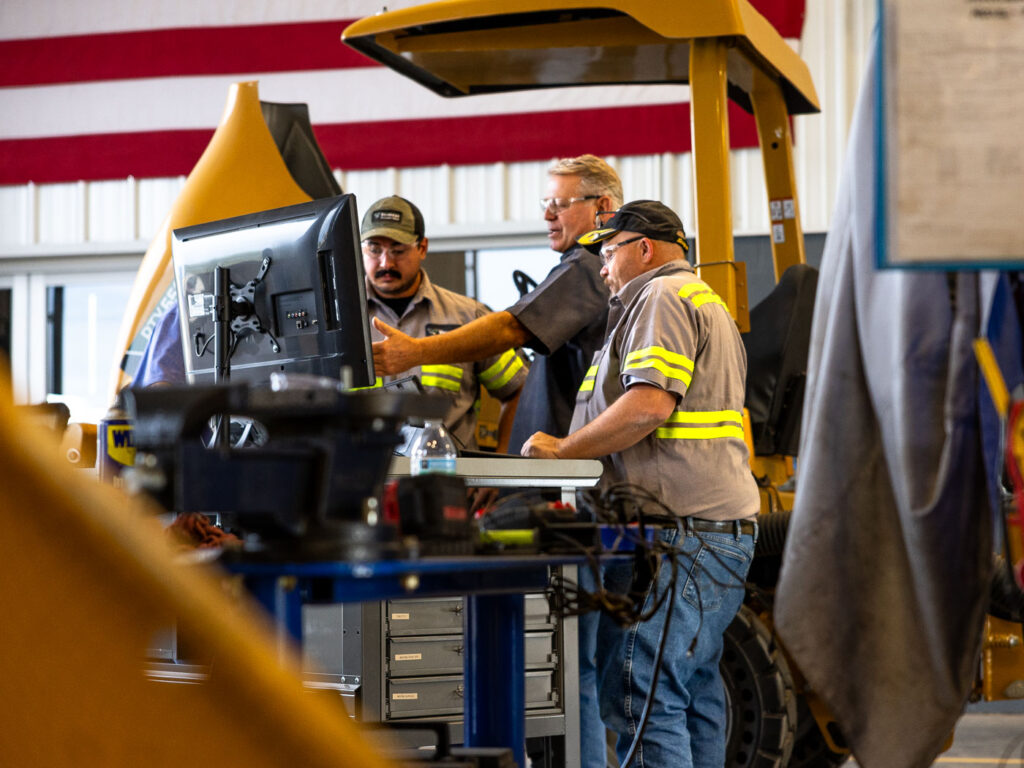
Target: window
{"x":83,"y":321}
{"x":494,"y":268}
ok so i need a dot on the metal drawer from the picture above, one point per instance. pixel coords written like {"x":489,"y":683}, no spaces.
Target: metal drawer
{"x":433,"y":696}
{"x":537,"y":612}
{"x":443,"y":655}
{"x":444,"y":615}
{"x":424,"y":617}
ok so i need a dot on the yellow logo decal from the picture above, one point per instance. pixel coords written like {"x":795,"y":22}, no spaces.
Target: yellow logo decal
{"x":120,"y":446}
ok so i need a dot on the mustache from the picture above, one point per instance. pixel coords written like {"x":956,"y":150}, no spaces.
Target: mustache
{"x":387,"y":273}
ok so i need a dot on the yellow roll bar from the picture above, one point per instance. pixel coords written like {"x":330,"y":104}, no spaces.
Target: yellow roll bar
{"x":721,"y":48}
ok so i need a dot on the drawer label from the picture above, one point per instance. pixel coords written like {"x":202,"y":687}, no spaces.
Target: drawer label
{"x":405,"y":696}
{"x":408,"y":656}
{"x":399,"y":616}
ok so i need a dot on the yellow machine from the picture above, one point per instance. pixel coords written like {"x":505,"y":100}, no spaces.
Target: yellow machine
{"x":722,"y":49}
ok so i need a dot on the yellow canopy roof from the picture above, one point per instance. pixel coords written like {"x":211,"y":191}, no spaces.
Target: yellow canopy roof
{"x":462,"y":47}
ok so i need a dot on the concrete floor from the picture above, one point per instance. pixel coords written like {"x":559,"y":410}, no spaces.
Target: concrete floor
{"x":988,"y":734}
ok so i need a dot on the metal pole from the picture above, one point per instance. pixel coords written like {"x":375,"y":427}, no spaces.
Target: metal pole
{"x":221,"y":345}
{"x":495,"y":668}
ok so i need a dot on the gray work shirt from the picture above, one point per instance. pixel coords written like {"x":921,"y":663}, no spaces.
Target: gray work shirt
{"x":667,"y":328}
{"x":566,"y":314}
{"x":432,"y":310}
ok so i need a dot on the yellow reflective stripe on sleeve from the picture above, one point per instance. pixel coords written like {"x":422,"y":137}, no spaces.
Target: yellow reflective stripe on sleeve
{"x":377,"y":382}
{"x":702,"y":299}
{"x":438,"y":381}
{"x":588,"y":380}
{"x":699,"y":433}
{"x":443,"y":376}
{"x":658,"y":365}
{"x":501,"y":372}
{"x":442,"y":370}
{"x":671,"y":364}
{"x":701,"y":294}
{"x":670,"y":357}
{"x":506,"y":377}
{"x":733,"y":426}
{"x":705,"y":417}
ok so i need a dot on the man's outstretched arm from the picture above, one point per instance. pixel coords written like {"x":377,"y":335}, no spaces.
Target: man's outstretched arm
{"x":486,"y":336}
{"x":627,"y":421}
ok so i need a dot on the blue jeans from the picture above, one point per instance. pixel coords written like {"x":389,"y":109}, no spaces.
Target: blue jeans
{"x":593,"y":749}
{"x":687,"y":721}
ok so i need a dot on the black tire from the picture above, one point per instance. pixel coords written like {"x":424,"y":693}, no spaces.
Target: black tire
{"x":810,"y":750}
{"x":760,"y":696}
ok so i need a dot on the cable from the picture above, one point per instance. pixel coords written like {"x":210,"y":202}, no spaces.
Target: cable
{"x":656,"y":673}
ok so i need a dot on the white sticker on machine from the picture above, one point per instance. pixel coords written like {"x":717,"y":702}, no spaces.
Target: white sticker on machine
{"x":408,"y":656}
{"x":405,"y":696}
{"x":779,"y":233}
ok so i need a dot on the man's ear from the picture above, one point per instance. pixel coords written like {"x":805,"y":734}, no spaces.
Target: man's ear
{"x":648,"y":253}
{"x":423,"y":243}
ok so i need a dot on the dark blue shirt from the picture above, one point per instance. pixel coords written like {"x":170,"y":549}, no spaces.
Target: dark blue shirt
{"x":566,"y":315}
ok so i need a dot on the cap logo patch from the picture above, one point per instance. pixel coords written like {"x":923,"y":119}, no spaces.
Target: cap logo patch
{"x":395,"y":216}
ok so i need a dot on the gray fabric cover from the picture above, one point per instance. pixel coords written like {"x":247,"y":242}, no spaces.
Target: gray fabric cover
{"x":881,"y":595}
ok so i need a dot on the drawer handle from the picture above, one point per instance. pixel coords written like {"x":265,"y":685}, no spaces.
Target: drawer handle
{"x":458,"y":649}
{"x":460,"y":691}
{"x":456,"y":608}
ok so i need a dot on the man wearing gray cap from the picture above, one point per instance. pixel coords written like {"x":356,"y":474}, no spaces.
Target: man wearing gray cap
{"x":661,"y":407}
{"x":400,"y":294}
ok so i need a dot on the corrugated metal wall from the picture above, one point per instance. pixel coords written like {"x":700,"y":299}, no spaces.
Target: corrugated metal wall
{"x":472,"y":206}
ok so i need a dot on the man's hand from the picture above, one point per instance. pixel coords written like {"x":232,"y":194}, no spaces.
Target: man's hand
{"x":396,"y":353}
{"x":541,"y":446}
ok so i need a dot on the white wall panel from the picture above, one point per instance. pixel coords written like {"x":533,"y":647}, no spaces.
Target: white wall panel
{"x":61,"y":212}
{"x":154,"y":198}
{"x":17,"y":215}
{"x":524,"y":189}
{"x":478,"y":193}
{"x":111,"y":211}
{"x":430,"y":190}
{"x":368,"y":186}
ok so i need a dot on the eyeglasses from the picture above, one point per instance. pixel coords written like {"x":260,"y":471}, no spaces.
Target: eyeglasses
{"x":394,"y":251}
{"x":634,"y":214}
{"x":559,"y":204}
{"x":608,"y":252}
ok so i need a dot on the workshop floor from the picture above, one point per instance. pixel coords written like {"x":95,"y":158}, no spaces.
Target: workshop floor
{"x":988,"y":734}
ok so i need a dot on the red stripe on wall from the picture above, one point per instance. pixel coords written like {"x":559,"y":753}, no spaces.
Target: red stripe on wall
{"x":223,"y":50}
{"x":398,"y":143}
{"x":177,"y":52}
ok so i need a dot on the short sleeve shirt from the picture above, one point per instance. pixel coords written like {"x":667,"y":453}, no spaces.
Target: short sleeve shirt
{"x":566,"y":315}
{"x":436,"y":310}
{"x":163,"y":359}
{"x":668,"y":329}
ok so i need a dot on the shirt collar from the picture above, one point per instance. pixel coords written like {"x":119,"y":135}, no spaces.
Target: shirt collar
{"x":629,"y":291}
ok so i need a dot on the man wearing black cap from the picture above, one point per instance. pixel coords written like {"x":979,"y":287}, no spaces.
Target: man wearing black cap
{"x":400,"y":294}
{"x":661,"y":407}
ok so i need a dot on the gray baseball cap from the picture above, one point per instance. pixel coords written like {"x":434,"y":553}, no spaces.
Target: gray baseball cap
{"x":393,"y":217}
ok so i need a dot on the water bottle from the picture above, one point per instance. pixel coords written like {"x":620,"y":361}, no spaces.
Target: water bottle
{"x":433,"y":451}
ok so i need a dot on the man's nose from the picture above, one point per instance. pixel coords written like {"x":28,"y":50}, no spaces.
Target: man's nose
{"x":549,"y":213}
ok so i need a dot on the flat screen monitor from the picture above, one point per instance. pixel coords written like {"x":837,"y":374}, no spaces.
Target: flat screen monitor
{"x":296,"y":297}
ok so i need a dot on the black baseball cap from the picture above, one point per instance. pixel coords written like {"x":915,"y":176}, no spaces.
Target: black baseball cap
{"x":646,"y":217}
